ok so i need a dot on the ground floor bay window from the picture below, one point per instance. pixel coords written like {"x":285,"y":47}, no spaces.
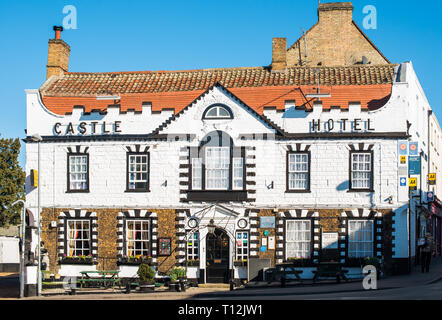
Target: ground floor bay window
{"x":298,"y":239}
{"x":360,"y":238}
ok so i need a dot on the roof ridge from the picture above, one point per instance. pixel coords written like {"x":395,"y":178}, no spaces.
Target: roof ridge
{"x":165,"y":71}
{"x":225,"y":69}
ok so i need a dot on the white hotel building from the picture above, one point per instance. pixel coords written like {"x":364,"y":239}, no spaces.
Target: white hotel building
{"x":282,"y":175}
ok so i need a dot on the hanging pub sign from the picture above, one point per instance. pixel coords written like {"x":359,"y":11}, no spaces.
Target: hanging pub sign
{"x":164,"y":246}
{"x":414,"y":165}
{"x":432,"y":178}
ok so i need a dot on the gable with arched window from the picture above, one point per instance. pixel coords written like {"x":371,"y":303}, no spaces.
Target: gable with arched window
{"x":218,"y":112}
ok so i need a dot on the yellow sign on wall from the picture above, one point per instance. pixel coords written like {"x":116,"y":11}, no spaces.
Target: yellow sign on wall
{"x":413,"y":182}
{"x":403,"y":159}
{"x":34,"y":178}
{"x":432,"y":178}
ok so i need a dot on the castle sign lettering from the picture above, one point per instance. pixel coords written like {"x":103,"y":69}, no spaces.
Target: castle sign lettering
{"x":85,"y":128}
{"x":341,"y":125}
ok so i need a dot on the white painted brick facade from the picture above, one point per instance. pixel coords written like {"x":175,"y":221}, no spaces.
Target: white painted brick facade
{"x":329,"y":156}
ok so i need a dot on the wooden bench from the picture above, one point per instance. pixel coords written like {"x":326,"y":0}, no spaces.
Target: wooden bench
{"x":330,"y":269}
{"x":106,"y":278}
{"x":281,"y":271}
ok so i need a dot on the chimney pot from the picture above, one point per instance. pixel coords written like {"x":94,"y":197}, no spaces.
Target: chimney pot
{"x":58,"y":55}
{"x":58,"y":30}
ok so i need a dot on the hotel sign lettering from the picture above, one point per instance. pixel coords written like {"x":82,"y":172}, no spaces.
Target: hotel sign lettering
{"x":83,"y":128}
{"x":341,"y":125}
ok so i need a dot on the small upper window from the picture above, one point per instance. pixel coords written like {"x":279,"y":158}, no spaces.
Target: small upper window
{"x":218,"y":112}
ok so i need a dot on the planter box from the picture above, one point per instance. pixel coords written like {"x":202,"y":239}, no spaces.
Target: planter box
{"x":133,"y":262}
{"x":301,"y":263}
{"x":240,"y":263}
{"x":77,"y":261}
{"x":147,"y":288}
{"x":174,"y":286}
{"x":73,"y":270}
{"x":193,"y":263}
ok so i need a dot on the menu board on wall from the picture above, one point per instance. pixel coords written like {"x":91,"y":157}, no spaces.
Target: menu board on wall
{"x":330,"y":240}
{"x":164,"y":246}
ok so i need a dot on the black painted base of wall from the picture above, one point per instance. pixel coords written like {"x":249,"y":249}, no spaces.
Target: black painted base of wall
{"x":30,"y":290}
{"x":399,"y":266}
{"x":202,"y":278}
{"x":9,"y":267}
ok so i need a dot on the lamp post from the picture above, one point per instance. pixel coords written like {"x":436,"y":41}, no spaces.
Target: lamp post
{"x":22,"y":254}
{"x":37,"y":138}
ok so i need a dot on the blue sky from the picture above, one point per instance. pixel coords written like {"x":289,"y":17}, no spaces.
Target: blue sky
{"x":178,"y":35}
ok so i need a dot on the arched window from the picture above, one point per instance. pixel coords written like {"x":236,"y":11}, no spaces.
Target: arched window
{"x":217,"y":111}
{"x":217,"y":165}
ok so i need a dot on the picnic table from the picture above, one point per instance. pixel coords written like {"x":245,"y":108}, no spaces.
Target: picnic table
{"x":106,"y":278}
{"x":281,"y":271}
{"x":330,"y":269}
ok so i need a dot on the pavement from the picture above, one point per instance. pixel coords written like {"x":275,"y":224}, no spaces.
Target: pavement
{"x":9,"y":289}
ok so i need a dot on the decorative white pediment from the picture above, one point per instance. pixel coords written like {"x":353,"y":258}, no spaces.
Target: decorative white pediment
{"x":244,"y":119}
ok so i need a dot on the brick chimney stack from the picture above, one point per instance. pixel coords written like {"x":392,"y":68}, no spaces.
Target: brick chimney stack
{"x":279,"y":54}
{"x":58,"y":55}
{"x":340,"y":12}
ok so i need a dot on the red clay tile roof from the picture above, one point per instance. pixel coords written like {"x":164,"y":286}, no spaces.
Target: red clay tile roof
{"x":257,"y":86}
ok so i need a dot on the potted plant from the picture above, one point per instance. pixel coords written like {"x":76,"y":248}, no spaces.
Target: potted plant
{"x":83,"y":259}
{"x":134,"y":260}
{"x":376,"y":262}
{"x":147,"y":275}
{"x":193,"y":262}
{"x":177,"y":274}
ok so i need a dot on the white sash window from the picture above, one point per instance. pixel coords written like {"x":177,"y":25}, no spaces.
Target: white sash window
{"x":78,"y":238}
{"x":360,"y":238}
{"x":78,"y":173}
{"x":298,"y":171}
{"x":217,"y":168}
{"x":137,"y":238}
{"x":298,"y":239}
{"x":361,"y":171}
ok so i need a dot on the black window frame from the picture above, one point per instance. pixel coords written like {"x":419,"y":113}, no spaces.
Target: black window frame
{"x":138,"y":190}
{"x":204,"y":194}
{"x":230,"y":117}
{"x":308,"y":190}
{"x":350,"y":171}
{"x":69,"y":190}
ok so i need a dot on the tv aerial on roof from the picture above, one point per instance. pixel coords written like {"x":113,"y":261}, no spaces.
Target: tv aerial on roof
{"x":318,"y":95}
